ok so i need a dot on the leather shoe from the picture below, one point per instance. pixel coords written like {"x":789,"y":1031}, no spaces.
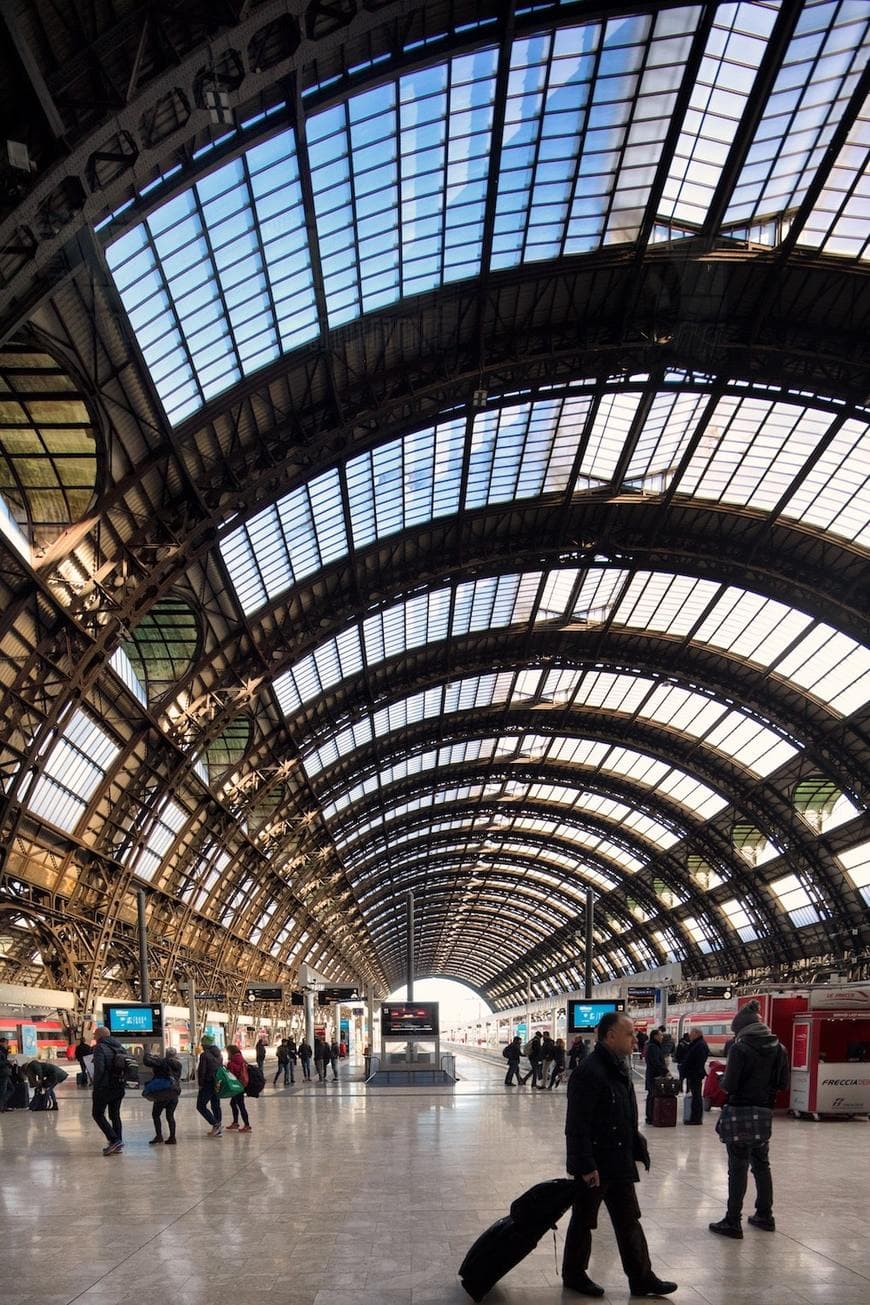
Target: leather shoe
{"x":726,"y":1229}
{"x":653,"y":1287}
{"x":758,"y":1221}
{"x":584,"y":1285}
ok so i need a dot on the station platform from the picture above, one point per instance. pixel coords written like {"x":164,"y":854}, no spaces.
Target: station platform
{"x":343,"y":1194}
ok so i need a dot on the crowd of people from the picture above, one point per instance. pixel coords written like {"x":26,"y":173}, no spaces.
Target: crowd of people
{"x":547,"y":1060}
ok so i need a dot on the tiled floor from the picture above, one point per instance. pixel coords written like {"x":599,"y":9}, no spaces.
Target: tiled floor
{"x":340,"y":1195}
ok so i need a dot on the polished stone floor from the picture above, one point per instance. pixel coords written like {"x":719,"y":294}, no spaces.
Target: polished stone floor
{"x":372,"y":1198}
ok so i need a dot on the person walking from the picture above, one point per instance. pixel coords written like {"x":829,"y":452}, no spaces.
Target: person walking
{"x":260,"y":1053}
{"x":305,"y":1059}
{"x":334,"y":1057}
{"x":533,"y":1052}
{"x":166,"y":1099}
{"x":603,"y":1147}
{"x":757,"y":1068}
{"x":82,"y":1051}
{"x":576,"y":1053}
{"x":321,"y":1056}
{"x":292,"y":1054}
{"x":109,"y":1085}
{"x":512,"y":1053}
{"x":557,"y":1063}
{"x":283,"y":1063}
{"x":656,"y":1067}
{"x":237,"y":1065}
{"x":207,"y":1100}
{"x":641,"y":1040}
{"x":693,"y":1069}
{"x":7,"y":1087}
{"x":548,"y":1047}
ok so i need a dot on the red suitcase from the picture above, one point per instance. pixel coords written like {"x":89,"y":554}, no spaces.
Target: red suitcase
{"x":664,"y":1112}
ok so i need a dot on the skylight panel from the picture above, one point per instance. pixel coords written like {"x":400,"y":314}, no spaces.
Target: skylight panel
{"x":665,"y":603}
{"x":666,"y":433}
{"x":123,"y":667}
{"x":834,"y":495}
{"x":607,"y":439}
{"x":333,"y":661}
{"x":812,"y":89}
{"x":735,"y":914}
{"x":399,"y":178}
{"x":856,"y":863}
{"x":749,"y":625}
{"x":795,"y":901}
{"x":167,"y":824}
{"x":696,"y":933}
{"x":752,"y":451}
{"x":73,"y":770}
{"x":735,"y":49}
{"x":831,"y":666}
{"x":217,"y":281}
{"x":838,"y":223}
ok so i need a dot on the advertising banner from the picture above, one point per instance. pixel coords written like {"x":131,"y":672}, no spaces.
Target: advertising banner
{"x":28,"y":1040}
{"x":800,"y":1046}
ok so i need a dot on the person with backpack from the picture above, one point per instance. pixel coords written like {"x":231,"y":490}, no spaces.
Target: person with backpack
{"x":44,"y":1077}
{"x":238,"y":1066}
{"x":283,"y":1063}
{"x":512,"y":1053}
{"x":109,"y":1086}
{"x":533,"y":1051}
{"x":305,"y":1059}
{"x":165,"y":1099}
{"x":207,"y":1100}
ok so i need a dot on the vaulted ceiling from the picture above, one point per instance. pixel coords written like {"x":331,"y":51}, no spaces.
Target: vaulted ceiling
{"x":434,"y":455}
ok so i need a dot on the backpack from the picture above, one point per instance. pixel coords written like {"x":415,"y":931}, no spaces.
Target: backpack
{"x":124,"y":1070}
{"x":256,"y":1082}
{"x":39,"y":1100}
{"x":506,"y":1052}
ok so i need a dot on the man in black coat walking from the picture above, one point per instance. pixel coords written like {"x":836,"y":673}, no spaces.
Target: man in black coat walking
{"x":604,"y":1144}
{"x":692,"y":1070}
{"x":656,"y":1067}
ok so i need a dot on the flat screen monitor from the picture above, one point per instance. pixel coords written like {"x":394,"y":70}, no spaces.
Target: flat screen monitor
{"x":584,"y":1015}
{"x":133,"y":1021}
{"x":416,"y":1018}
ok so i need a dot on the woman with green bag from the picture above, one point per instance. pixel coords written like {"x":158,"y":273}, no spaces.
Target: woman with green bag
{"x":227,"y":1085}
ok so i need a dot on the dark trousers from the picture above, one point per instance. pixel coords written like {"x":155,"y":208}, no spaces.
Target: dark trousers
{"x":513,"y":1071}
{"x":157,"y":1110}
{"x":320,"y":1066}
{"x":536,"y":1070}
{"x":208,"y":1105}
{"x":238,"y":1107}
{"x":102,"y":1102}
{"x":621,"y":1201}
{"x":283,"y":1068}
{"x":650,"y":1098}
{"x":7,"y":1088}
{"x":694,"y":1086}
{"x":306,"y":1066}
{"x":741,"y":1158}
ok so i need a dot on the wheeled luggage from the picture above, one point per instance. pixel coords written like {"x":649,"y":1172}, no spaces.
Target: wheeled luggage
{"x":664,"y":1114}
{"x":509,"y":1240}
{"x":666,"y":1086}
{"x":82,"y":1079}
{"x":687,"y":1108}
{"x":39,"y":1100}
{"x":20,"y":1099}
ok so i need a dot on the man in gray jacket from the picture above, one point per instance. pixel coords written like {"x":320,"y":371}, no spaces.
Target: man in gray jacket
{"x":757,"y":1068}
{"x":108,"y":1093}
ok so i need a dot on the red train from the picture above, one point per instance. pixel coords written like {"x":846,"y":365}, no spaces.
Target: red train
{"x":52,"y":1037}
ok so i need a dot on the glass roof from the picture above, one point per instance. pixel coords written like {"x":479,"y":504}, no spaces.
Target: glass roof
{"x":808,"y":460}
{"x":808,"y":654}
{"x":220,"y":279}
{"x":732,"y":732}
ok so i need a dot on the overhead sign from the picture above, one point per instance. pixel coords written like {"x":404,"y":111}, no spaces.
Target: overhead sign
{"x":585,"y":1015}
{"x":839,"y":998}
{"x":418,"y":1018}
{"x":713,"y":992}
{"x":133,"y":1019}
{"x":643,"y":995}
{"x":297,"y":998}
{"x":327,"y":996}
{"x":211,"y":996}
{"x":263,"y":992}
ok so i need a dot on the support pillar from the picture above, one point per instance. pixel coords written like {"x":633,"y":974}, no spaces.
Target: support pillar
{"x":410,"y":946}
{"x":309,"y":1018}
{"x":144,"y":981}
{"x":590,"y":923}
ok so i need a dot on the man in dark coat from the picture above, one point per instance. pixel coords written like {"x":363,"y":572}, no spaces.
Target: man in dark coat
{"x":692,"y":1068}
{"x":535,"y":1055}
{"x":756,"y":1069}
{"x":512,"y":1053}
{"x":108,"y":1091}
{"x":604,"y":1144}
{"x":7,"y":1087}
{"x":656,"y":1067}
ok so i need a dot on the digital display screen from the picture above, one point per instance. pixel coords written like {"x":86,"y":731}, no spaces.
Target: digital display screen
{"x":134,"y":1021}
{"x":418,"y":1018}
{"x":584,"y":1015}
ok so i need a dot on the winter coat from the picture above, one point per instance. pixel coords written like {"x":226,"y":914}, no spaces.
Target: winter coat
{"x":5,"y":1065}
{"x":104,"y":1055}
{"x":601,"y":1125}
{"x":576,"y":1053}
{"x":694,"y":1060}
{"x":260,"y":1052}
{"x":558,"y":1058}
{"x":239,"y":1066}
{"x":512,"y":1053}
{"x":165,"y":1067}
{"x":304,"y":1051}
{"x":207,"y":1066}
{"x":291,"y":1050}
{"x":756,"y":1069}
{"x":282,"y":1053}
{"x":534,"y":1052}
{"x":548,"y":1048}
{"x":656,"y":1064}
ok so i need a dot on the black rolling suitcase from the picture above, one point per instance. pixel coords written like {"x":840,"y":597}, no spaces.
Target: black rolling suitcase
{"x":20,"y":1099}
{"x":508,"y":1241}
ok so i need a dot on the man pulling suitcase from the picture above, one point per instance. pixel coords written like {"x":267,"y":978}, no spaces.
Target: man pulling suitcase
{"x":604,"y":1144}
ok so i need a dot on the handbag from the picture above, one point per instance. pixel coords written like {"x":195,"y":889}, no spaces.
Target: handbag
{"x":226,"y":1084}
{"x":744,"y":1125}
{"x":159,"y":1083}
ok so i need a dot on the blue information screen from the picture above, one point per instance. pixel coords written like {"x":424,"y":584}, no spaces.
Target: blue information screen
{"x":584,"y":1015}
{"x":131,"y":1020}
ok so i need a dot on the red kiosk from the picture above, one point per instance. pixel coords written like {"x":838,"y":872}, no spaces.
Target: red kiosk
{"x":830,"y":1057}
